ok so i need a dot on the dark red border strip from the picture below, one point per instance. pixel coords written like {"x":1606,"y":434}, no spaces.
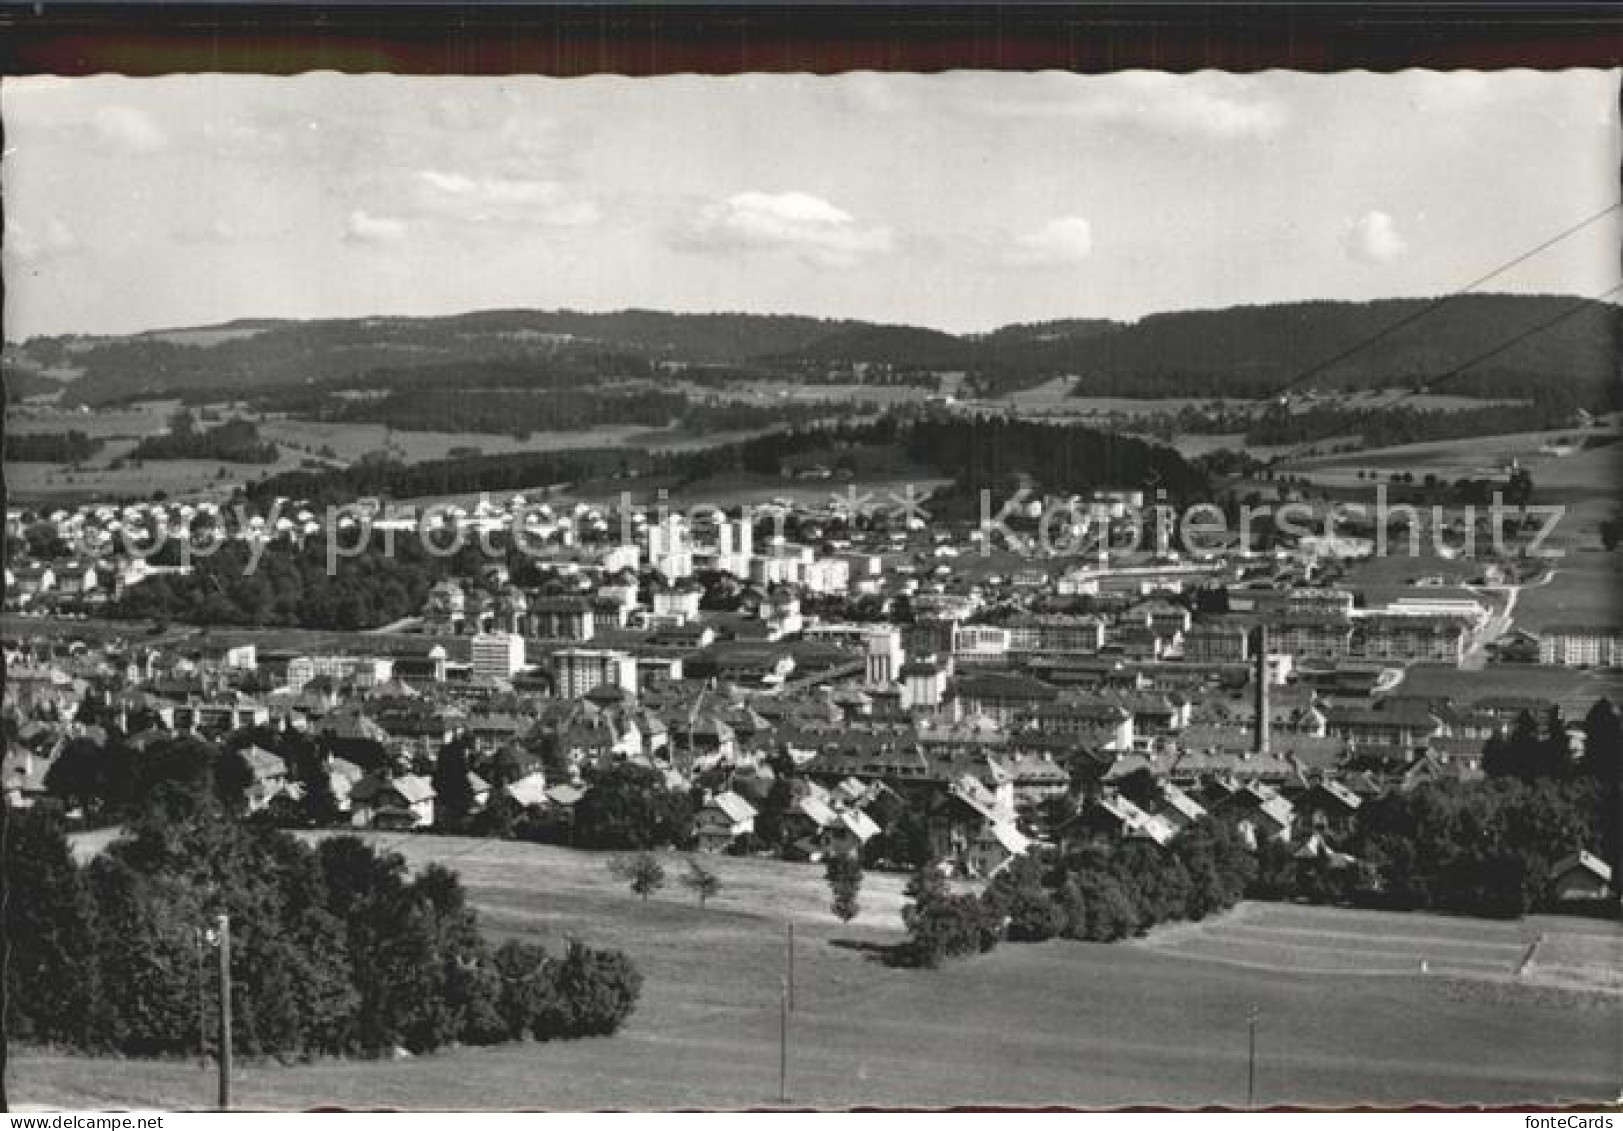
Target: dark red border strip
{"x":491,"y":39}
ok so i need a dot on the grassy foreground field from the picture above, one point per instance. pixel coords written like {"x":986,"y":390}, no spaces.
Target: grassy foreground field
{"x":1346,"y":1015}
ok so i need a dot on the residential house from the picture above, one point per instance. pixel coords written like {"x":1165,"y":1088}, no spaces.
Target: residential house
{"x":1581,"y":878}
{"x":849,"y":833}
{"x":993,"y":847}
{"x":267,"y":776}
{"x":403,"y":802}
{"x":722,"y":820}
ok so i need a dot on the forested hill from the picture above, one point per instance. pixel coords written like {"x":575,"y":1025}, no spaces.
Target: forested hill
{"x":1254,"y":350}
{"x":259,"y":354}
{"x":1238,"y":352}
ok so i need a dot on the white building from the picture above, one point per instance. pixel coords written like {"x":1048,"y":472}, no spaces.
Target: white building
{"x":1578,"y":645}
{"x":669,"y":549}
{"x":979,"y":644}
{"x":581,"y":670}
{"x":365,"y":671}
{"x":497,"y":655}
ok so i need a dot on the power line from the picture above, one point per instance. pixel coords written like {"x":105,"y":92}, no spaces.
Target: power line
{"x":1438,"y":303}
{"x":1578,"y":307}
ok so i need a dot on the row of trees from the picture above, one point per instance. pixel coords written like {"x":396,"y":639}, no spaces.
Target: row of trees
{"x":508,"y":412}
{"x":291,"y":585}
{"x":235,"y":441}
{"x":1098,"y":892}
{"x":50,"y":447}
{"x":338,"y":950}
{"x":1388,"y":426}
{"x":992,"y":453}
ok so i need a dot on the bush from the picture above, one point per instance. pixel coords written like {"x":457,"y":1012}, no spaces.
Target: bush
{"x":942,"y":924}
{"x":596,"y":991}
{"x":1017,"y":896}
{"x":527,"y":999}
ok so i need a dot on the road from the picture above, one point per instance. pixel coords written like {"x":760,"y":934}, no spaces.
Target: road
{"x":1500,"y":623}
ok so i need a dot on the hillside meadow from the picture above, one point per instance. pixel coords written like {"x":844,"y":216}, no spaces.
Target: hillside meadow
{"x":1347,"y":1014}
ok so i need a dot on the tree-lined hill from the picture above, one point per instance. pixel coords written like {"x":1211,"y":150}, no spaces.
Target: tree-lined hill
{"x":1247,"y":351}
{"x":1255,"y":350}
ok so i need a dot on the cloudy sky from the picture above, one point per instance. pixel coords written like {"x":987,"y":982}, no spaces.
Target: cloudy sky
{"x":962,"y":201}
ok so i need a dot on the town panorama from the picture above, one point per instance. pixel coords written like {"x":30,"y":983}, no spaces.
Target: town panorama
{"x":878,"y":590}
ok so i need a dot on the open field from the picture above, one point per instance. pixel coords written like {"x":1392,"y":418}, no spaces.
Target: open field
{"x":121,"y":429}
{"x":1395,"y":573}
{"x":786,"y":392}
{"x":1574,"y":689}
{"x":350,"y":441}
{"x":50,"y":483}
{"x":1474,"y":456}
{"x":1587,"y":589}
{"x":1337,"y":940}
{"x":1346,"y":1015}
{"x":1056,"y":395}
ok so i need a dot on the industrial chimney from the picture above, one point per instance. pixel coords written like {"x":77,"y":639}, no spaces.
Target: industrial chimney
{"x":1260,"y":728}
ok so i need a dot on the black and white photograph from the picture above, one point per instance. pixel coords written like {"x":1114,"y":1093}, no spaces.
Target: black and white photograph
{"x":759,"y":591}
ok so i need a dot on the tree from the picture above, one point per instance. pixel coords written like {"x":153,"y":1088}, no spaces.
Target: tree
{"x":78,"y":776}
{"x":528,"y":996}
{"x":1110,"y":913}
{"x":1603,"y":743}
{"x":1513,"y":754}
{"x":630,"y":807}
{"x":702,"y":881}
{"x":51,"y":974}
{"x":1018,"y":897}
{"x":1611,"y":532}
{"x":401,"y":982}
{"x":643,"y":872}
{"x":1554,"y":753}
{"x":844,"y":874}
{"x":1141,"y":788}
{"x":942,"y":924}
{"x":1073,"y":908}
{"x":453,"y":793}
{"x":769,"y":817}
{"x":318,"y":806}
{"x":596,"y":989}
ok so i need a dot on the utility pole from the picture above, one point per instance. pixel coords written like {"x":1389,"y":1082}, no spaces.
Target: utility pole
{"x":1251,"y":1016}
{"x":783,"y":1041}
{"x":224,"y":924}
{"x":791,"y":976}
{"x":200,"y":935}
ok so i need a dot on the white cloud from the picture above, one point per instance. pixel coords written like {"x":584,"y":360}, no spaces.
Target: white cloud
{"x":502,"y":199}
{"x":241,"y":138}
{"x":1211,"y":106}
{"x":362,"y":227}
{"x":30,"y":245}
{"x":1063,"y":241}
{"x":129,"y":129}
{"x":1218,"y":107}
{"x":795,"y":222}
{"x":1374,"y":238}
{"x":219,"y":230}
